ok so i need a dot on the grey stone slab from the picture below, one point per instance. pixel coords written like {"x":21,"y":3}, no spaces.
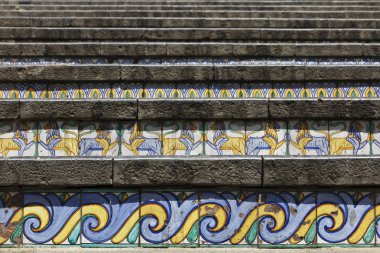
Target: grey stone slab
{"x":133,"y":49}
{"x":199,"y":49}
{"x":166,"y":72}
{"x":342,"y":72}
{"x":13,"y":73}
{"x":321,"y":171}
{"x":197,"y":171}
{"x":325,"y":108}
{"x":9,"y":109}
{"x":79,"y":109}
{"x":203,"y":108}
{"x":56,"y":172}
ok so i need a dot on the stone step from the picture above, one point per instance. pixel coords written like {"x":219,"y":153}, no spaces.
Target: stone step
{"x":222,"y":171}
{"x":186,"y":49}
{"x":187,"y":34}
{"x":173,"y":72}
{"x":143,"y":22}
{"x":210,"y":14}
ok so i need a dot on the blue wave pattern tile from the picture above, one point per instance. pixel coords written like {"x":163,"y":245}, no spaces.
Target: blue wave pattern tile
{"x":189,"y":218}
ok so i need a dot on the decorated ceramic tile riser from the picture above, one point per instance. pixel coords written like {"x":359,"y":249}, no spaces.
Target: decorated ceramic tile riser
{"x":287,"y":219}
{"x":345,"y":218}
{"x":18,"y":139}
{"x":8,"y":90}
{"x":376,"y":219}
{"x":356,"y":90}
{"x":98,"y":139}
{"x":350,"y":137}
{"x":169,"y":218}
{"x":65,"y":91}
{"x":141,"y":139}
{"x":375,"y":137}
{"x":160,"y":90}
{"x":308,"y":137}
{"x":286,"y":90}
{"x":225,"y":137}
{"x":32,"y":90}
{"x":225,"y":90}
{"x":182,"y":138}
{"x":97,"y":90}
{"x":57,"y":138}
{"x":228,"y":218}
{"x":51,"y":218}
{"x":256,"y":90}
{"x":116,"y":215}
{"x":266,"y":138}
{"x":129,"y":90}
{"x":319,"y":90}
{"x":194,"y":90}
{"x":11,"y":214}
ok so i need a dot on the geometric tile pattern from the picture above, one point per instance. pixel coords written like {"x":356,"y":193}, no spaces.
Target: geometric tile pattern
{"x":193,"y":90}
{"x":190,"y":138}
{"x":196,"y":218}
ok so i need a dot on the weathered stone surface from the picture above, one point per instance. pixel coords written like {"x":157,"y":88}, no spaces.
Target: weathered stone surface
{"x":56,"y":172}
{"x":324,"y":108}
{"x":340,"y":72}
{"x":321,"y":171}
{"x":202,"y":108}
{"x":9,"y":109}
{"x":166,"y":73}
{"x":13,"y":73}
{"x":133,"y":49}
{"x":187,"y":171}
{"x":80,"y":109}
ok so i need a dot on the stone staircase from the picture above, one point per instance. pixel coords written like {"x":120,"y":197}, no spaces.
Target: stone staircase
{"x":172,"y":123}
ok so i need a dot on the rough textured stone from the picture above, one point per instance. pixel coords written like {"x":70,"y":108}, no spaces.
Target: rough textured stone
{"x":104,"y":109}
{"x":56,"y":172}
{"x":340,"y":72}
{"x":166,"y":73}
{"x":324,"y":108}
{"x":321,"y":171}
{"x":9,"y":109}
{"x":13,"y":73}
{"x":187,"y":171}
{"x":202,"y":108}
{"x":133,"y":49}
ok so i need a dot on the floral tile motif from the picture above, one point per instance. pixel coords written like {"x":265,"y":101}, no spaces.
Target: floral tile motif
{"x":160,"y":90}
{"x":31,"y":90}
{"x":309,"y":137}
{"x":350,"y":137}
{"x":319,"y":90}
{"x":98,"y":139}
{"x":57,"y":138}
{"x":18,"y":139}
{"x":51,"y":218}
{"x":346,"y":218}
{"x":128,"y":90}
{"x":169,"y":219}
{"x":117,"y":216}
{"x":225,"y":90}
{"x":356,"y":90}
{"x":375,"y":137}
{"x":266,"y":138}
{"x":141,"y":139}
{"x":11,"y":213}
{"x":182,"y":138}
{"x":65,"y":91}
{"x":8,"y":90}
{"x":194,"y":90}
{"x":97,"y":90}
{"x":224,"y":138}
{"x":256,"y":90}
{"x":228,"y":218}
{"x":286,"y":90}
{"x":288,"y":219}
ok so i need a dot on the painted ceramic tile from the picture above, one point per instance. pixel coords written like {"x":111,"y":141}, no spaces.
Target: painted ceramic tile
{"x":117,"y":217}
{"x":224,"y":138}
{"x":375,"y":137}
{"x":355,"y":90}
{"x":309,"y":137}
{"x":30,"y":91}
{"x":18,"y":139}
{"x":182,"y":138}
{"x":169,"y":218}
{"x":57,"y":138}
{"x":129,"y":90}
{"x":349,"y":137}
{"x":160,"y":90}
{"x":225,"y":90}
{"x":228,"y":218}
{"x":51,"y":218}
{"x":287,"y":219}
{"x":266,"y":138}
{"x":319,"y":90}
{"x":141,"y":138}
{"x":11,"y":214}
{"x":98,"y":139}
{"x":256,"y":90}
{"x":345,"y":218}
{"x":96,"y":90}
{"x":376,"y":218}
{"x":8,"y":90}
{"x":194,"y":90}
{"x":286,"y":90}
{"x":65,"y":91}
